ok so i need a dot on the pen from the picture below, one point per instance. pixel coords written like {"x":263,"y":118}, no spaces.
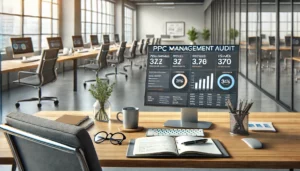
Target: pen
{"x":200,"y":141}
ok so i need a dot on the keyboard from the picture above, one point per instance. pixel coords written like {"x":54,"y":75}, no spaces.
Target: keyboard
{"x":31,"y":59}
{"x":174,"y":132}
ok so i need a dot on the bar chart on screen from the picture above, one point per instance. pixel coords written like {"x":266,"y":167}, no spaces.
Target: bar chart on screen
{"x":203,"y":81}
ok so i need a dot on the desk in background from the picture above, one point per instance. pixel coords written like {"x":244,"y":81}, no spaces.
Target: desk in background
{"x":281,"y":150}
{"x":16,"y":65}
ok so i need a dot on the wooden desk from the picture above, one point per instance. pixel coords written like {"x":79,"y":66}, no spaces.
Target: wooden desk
{"x":16,"y":65}
{"x":281,"y":150}
{"x":273,"y":48}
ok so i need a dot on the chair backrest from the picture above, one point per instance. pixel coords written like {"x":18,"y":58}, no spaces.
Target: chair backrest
{"x":156,"y":41}
{"x":40,"y":144}
{"x":9,"y":53}
{"x":121,"y":51}
{"x":132,"y":49}
{"x":146,"y":46}
{"x":141,"y":46}
{"x":101,"y":57}
{"x":46,"y":69}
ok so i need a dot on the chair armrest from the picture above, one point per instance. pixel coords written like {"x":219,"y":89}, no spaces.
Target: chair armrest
{"x":25,"y":73}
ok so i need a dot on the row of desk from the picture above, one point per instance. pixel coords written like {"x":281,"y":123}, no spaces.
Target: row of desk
{"x":280,"y":150}
{"x":16,"y":65}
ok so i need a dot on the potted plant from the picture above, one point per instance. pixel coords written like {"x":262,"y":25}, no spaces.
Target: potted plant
{"x":101,"y":91}
{"x":233,"y":33}
{"x":205,"y":34}
{"x":193,"y":35}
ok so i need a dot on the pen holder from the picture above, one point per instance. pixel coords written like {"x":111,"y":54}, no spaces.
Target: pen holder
{"x":239,"y":123}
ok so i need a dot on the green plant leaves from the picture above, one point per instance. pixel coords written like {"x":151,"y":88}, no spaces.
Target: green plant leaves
{"x":205,"y":34}
{"x":193,"y":34}
{"x":101,"y":91}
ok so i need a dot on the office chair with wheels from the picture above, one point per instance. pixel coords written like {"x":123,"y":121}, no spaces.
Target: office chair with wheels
{"x":99,"y":64}
{"x":118,"y":60}
{"x":132,"y":56}
{"x":45,"y":73}
{"x":39,"y":144}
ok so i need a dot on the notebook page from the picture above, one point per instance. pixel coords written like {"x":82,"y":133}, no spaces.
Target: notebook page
{"x":208,"y":148}
{"x":154,"y":145}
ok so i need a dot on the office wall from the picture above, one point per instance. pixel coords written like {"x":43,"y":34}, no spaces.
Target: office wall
{"x":152,"y":19}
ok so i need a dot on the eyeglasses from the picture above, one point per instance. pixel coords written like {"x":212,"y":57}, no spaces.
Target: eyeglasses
{"x":115,"y":138}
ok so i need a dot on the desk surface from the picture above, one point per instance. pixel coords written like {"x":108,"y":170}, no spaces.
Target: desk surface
{"x":281,"y":150}
{"x":16,"y":65}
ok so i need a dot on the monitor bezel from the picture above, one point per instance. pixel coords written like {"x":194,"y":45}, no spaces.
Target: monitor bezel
{"x":104,"y":39}
{"x":20,"y":54}
{"x":95,"y":36}
{"x":55,"y":38}
{"x":75,"y":37}
{"x":186,"y":106}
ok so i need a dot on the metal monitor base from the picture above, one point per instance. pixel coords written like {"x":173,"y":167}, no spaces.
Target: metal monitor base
{"x":189,"y":119}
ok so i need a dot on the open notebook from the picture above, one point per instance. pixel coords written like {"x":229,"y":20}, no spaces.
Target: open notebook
{"x":172,"y":146}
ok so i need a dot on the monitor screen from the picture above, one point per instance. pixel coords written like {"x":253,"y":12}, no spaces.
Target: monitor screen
{"x":77,"y":41}
{"x":55,"y":42}
{"x":106,"y":39}
{"x":272,"y":40}
{"x":192,"y":76}
{"x":117,"y":39}
{"x":94,"y":40}
{"x":22,"y":45}
{"x":253,"y":40}
{"x":296,"y":41}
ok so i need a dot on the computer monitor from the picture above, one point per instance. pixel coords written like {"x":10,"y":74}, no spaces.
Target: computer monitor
{"x":55,"y":42}
{"x":22,"y":47}
{"x":106,"y":39}
{"x":296,"y":41}
{"x":252,"y":41}
{"x":77,"y":42}
{"x":94,"y":41}
{"x":272,"y":40}
{"x":191,"y":77}
{"x":117,"y":38}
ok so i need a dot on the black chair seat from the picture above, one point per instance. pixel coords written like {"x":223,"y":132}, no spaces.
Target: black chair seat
{"x":31,"y":81}
{"x":92,"y":66}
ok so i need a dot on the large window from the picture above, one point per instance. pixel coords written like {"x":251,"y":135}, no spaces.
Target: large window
{"x":128,"y":17}
{"x":97,"y":18}
{"x":37,"y":19}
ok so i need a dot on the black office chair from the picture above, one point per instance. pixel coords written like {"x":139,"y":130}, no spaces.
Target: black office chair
{"x":39,"y":144}
{"x":141,"y":46}
{"x":132,"y":56}
{"x":118,"y":60}
{"x":99,"y":64}
{"x":145,"y":52}
{"x":145,"y":48}
{"x":45,"y":73}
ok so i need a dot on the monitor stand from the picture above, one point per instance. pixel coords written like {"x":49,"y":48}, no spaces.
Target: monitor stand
{"x":189,"y":119}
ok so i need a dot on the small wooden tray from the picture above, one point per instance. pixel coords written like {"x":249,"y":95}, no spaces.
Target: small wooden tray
{"x":140,"y":128}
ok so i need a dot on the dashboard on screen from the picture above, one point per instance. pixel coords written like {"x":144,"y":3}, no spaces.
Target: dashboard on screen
{"x":22,"y":45}
{"x":192,"y":76}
